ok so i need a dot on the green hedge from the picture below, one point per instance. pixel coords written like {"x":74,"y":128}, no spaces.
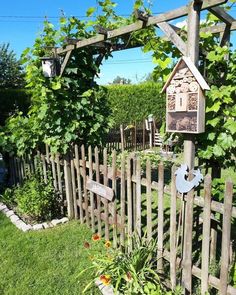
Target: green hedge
{"x":12,"y":100}
{"x":131,"y":103}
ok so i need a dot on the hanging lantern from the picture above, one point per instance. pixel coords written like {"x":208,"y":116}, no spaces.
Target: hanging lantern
{"x":51,"y":66}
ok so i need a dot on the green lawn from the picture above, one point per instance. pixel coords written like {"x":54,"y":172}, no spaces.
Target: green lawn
{"x":46,"y":262}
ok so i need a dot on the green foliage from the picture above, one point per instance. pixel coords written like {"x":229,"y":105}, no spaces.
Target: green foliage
{"x":131,"y":103}
{"x":34,"y":199}
{"x":11,"y":75}
{"x":129,"y":273}
{"x":11,"y":101}
{"x":218,"y":143}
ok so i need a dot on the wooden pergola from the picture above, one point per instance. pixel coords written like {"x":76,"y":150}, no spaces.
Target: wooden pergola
{"x":189,"y":48}
{"x":171,"y":32}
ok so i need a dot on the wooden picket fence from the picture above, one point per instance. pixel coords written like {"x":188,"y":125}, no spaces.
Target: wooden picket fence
{"x":117,"y":202}
{"x":131,"y":137}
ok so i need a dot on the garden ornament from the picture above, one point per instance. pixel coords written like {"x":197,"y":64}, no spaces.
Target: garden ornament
{"x":183,"y":185}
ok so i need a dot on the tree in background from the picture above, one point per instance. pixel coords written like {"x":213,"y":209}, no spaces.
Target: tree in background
{"x":11,"y":74}
{"x":121,"y":80}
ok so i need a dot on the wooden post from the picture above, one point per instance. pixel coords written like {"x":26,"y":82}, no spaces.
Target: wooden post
{"x":138,"y":197}
{"x":122,"y":137}
{"x":149,"y":200}
{"x":129,"y":203}
{"x":160,"y":229}
{"x":91,"y":193}
{"x":226,"y":230}
{"x":114,"y":202}
{"x":206,"y":235}
{"x":69,"y":197}
{"x":189,"y":148}
{"x":79,"y":186}
{"x":122,"y":202}
{"x":105,"y":182}
{"x":173,"y":244}
{"x":84,"y":185}
{"x":97,"y":168}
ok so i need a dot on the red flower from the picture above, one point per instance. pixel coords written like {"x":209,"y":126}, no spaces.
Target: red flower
{"x":96,"y":237}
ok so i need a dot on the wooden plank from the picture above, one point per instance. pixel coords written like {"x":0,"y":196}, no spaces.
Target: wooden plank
{"x":173,"y":224}
{"x":100,"y":189}
{"x":92,"y":184}
{"x":160,"y":229}
{"x":171,"y":15}
{"x":206,"y":235}
{"x":222,"y":15}
{"x":149,"y":200}
{"x":47,"y":153}
{"x":115,"y":241}
{"x":65,"y":61}
{"x":196,"y":271}
{"x":84,"y":184}
{"x":67,"y":177}
{"x":44,"y":168}
{"x":54,"y":175}
{"x":73,"y":184}
{"x":97,"y":169}
{"x":218,"y":28}
{"x":187,"y":247}
{"x":129,"y":203}
{"x":138,"y":197}
{"x":182,"y":11}
{"x":226,"y":230}
{"x":105,"y":182}
{"x":122,"y":137}
{"x":122,"y":202}
{"x":79,"y":185}
{"x":59,"y":179}
{"x":173,"y":37}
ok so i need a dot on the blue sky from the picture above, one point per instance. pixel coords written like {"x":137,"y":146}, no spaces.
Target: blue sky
{"x":21,"y":21}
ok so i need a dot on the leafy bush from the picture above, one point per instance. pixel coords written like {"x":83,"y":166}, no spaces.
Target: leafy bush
{"x":34,"y":199}
{"x":131,"y":103}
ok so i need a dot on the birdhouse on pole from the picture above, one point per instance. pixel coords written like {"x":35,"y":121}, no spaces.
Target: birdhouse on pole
{"x":185,"y":99}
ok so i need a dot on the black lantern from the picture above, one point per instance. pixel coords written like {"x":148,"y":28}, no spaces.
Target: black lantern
{"x":51,"y":66}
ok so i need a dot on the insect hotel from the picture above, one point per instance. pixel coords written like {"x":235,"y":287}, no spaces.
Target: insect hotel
{"x":185,"y":100}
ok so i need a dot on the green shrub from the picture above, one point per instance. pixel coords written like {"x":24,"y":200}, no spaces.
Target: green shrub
{"x":8,"y":198}
{"x":34,"y":199}
{"x":131,"y":103}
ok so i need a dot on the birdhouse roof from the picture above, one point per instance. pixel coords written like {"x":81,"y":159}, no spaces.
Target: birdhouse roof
{"x":193,"y":69}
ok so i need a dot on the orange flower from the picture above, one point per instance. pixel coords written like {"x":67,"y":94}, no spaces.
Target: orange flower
{"x":105,"y":279}
{"x":108,"y":244}
{"x":96,"y":237}
{"x":86,"y":245}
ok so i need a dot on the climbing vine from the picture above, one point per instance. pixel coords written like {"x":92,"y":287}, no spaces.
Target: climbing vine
{"x":73,"y":108}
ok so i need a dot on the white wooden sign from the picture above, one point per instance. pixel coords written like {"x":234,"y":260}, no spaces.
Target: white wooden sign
{"x":100,"y":189}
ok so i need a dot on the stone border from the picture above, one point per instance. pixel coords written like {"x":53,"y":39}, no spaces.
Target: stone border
{"x":105,"y":290}
{"x":15,"y":219}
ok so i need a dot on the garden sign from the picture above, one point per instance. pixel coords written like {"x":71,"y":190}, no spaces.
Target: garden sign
{"x":185,"y":99}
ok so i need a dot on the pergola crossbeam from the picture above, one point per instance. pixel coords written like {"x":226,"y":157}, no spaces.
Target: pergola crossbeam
{"x":173,"y":37}
{"x":222,"y":15}
{"x":152,"y":20}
